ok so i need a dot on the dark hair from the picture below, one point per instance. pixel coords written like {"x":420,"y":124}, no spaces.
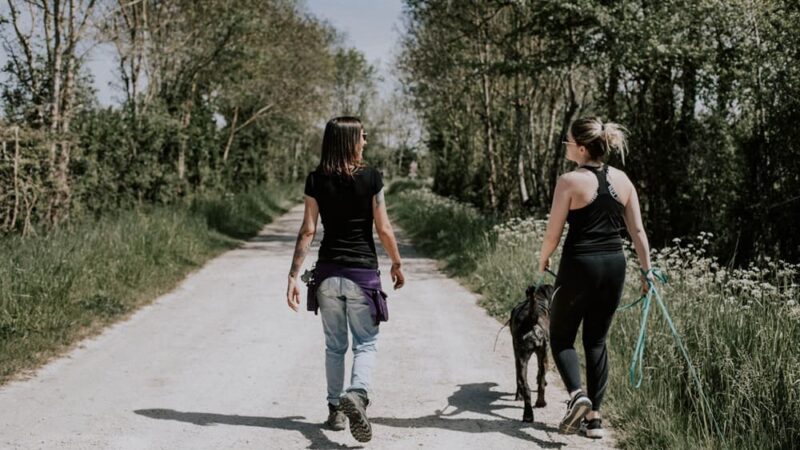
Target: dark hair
{"x":340,"y":146}
{"x":599,"y":138}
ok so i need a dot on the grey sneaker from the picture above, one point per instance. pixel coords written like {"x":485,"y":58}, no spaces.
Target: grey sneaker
{"x":577,"y":407}
{"x":354,"y":404}
{"x":336,"y":418}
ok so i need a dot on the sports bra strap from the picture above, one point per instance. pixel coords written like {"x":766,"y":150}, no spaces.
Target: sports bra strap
{"x":602,"y":180}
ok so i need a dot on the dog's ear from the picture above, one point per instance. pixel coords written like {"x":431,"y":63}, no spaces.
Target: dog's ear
{"x":530,"y":291}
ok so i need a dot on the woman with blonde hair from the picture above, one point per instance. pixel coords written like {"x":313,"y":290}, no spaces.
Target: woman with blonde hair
{"x":598,"y":202}
{"x":345,"y":285}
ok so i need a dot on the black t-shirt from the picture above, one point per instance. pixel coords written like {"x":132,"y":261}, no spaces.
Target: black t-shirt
{"x":346,"y":209}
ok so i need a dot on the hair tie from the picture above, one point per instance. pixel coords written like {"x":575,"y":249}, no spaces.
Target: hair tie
{"x":602,"y":126}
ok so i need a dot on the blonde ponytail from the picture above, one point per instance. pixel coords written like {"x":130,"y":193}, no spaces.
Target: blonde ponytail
{"x":600,"y":138}
{"x":613,"y":136}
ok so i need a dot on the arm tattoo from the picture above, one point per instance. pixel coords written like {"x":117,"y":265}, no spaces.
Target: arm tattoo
{"x":300,"y":250}
{"x":379,"y":200}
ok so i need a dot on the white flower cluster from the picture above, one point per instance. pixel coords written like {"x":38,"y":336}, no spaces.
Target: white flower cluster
{"x":692,"y":271}
{"x":691,"y":268}
{"x":518,"y":231}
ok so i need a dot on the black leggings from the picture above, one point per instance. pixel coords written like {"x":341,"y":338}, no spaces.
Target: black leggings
{"x":589,"y":288}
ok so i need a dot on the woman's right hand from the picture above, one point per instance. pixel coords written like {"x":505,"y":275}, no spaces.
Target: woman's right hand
{"x":397,"y":276}
{"x":544,"y":265}
{"x":293,"y":294}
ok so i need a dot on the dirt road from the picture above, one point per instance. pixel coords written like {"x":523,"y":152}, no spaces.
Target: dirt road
{"x":221,"y":362}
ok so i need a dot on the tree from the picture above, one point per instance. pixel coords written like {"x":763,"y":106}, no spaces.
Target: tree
{"x":44,"y":65}
{"x":354,"y":83}
{"x":705,"y":89}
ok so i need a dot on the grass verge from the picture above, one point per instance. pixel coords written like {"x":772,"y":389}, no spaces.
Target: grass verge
{"x":58,"y":288}
{"x":740,"y":327}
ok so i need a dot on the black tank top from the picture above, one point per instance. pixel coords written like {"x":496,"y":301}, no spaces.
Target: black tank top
{"x":596,"y":227}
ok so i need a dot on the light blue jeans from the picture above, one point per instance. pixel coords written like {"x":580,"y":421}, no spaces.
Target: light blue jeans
{"x":342,"y":303}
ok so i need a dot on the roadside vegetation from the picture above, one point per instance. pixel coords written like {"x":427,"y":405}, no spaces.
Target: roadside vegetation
{"x":60,"y":287}
{"x":740,"y":327}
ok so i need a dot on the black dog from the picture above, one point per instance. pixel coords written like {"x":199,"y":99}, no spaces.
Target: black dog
{"x":530,"y":332}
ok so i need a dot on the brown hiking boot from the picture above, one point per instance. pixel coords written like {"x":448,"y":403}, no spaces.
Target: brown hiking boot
{"x":354,"y":404}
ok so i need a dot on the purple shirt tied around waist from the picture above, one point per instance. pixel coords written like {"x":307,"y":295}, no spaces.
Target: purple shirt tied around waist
{"x":369,"y":280}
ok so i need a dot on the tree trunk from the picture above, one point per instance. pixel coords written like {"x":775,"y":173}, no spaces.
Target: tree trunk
{"x":186,"y":118}
{"x":689,"y":86}
{"x":295,"y":160}
{"x":55,"y":98}
{"x":520,"y":141}
{"x":544,"y":167}
{"x":57,"y":178}
{"x":611,"y":92}
{"x":533,"y":144}
{"x":15,"y":212}
{"x":230,"y":136}
{"x":488,"y":125}
{"x":570,"y":108}
{"x":63,"y":188}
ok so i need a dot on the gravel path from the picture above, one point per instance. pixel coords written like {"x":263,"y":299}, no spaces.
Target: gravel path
{"x":221,"y":362}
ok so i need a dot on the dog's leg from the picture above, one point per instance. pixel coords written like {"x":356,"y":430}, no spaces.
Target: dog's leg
{"x":527,"y":414}
{"x":522,"y":368}
{"x":541,"y":382}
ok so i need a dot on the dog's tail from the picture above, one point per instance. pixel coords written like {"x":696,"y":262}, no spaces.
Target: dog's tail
{"x":498,"y":334}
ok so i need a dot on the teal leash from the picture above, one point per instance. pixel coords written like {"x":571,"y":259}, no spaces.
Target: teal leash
{"x":540,"y":280}
{"x":636,"y":374}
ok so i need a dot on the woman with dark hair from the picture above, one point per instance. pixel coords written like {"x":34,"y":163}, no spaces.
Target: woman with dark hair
{"x":345,"y":284}
{"x":598,"y":202}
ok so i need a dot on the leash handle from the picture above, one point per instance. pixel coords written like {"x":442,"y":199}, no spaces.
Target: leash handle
{"x":540,"y":280}
{"x":657,"y":273}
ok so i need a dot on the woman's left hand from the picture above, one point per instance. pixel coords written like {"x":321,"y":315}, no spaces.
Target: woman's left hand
{"x":293,"y":294}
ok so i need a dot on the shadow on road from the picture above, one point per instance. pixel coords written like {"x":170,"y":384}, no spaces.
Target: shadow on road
{"x":274,"y":237}
{"x":476,"y":398}
{"x":311,"y":431}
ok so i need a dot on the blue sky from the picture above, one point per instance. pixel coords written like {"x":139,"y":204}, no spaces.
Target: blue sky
{"x":372,"y":26}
